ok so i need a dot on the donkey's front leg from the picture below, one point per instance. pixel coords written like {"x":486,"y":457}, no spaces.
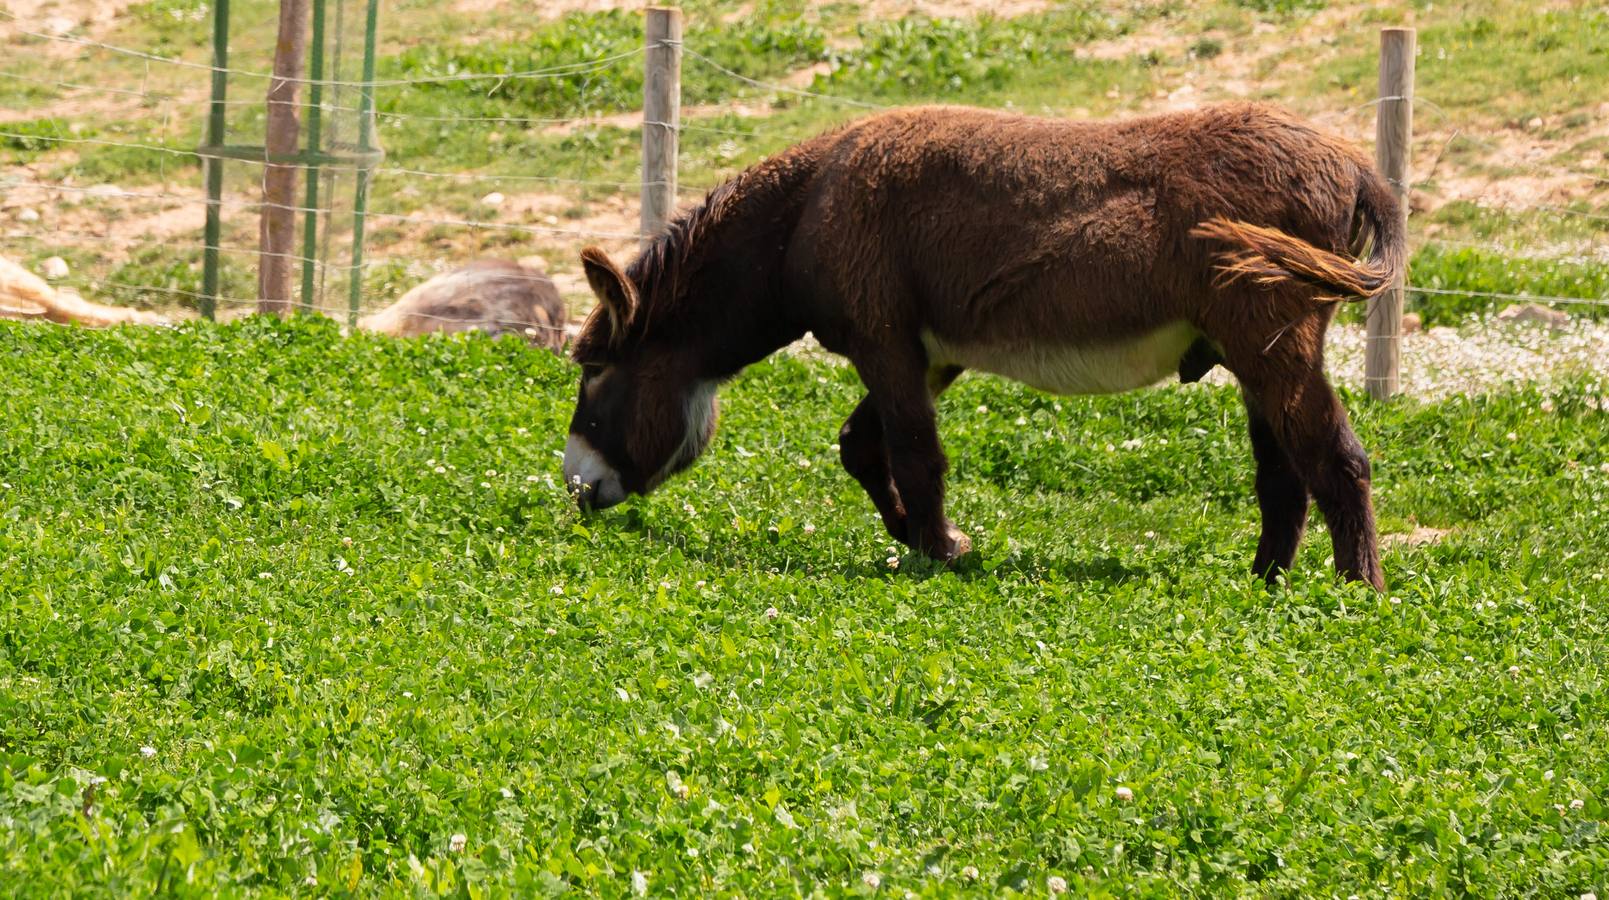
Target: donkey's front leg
{"x":865,"y":458}
{"x":902,"y":390}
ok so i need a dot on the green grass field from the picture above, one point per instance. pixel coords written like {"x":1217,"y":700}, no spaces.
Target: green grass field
{"x":282,"y":613}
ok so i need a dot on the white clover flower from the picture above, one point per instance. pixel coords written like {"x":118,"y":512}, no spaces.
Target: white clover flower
{"x":1124,"y":793}
{"x":1056,"y":884}
{"x":148,"y":752}
{"x":457,"y":843}
{"x":809,"y":528}
{"x":970,"y":873}
{"x":1133,"y":444}
{"x":346,"y":542}
{"x":688,"y":508}
{"x":1578,"y":803}
{"x":441,"y":470}
{"x":1513,"y":670}
{"x":639,"y":883}
{"x":771,"y":612}
{"x":551,"y":631}
{"x":982,"y":409}
{"x":557,"y":590}
{"x":893,"y":562}
{"x":703,"y":680}
{"x":678,"y":788}
{"x":310,"y":881}
{"x":872,"y":879}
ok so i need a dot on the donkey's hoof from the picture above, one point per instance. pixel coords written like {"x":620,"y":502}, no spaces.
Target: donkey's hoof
{"x":951,"y":547}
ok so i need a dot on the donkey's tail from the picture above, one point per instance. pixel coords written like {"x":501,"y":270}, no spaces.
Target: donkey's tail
{"x":1268,"y":256}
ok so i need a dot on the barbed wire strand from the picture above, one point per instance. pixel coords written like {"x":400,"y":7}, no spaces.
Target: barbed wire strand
{"x":394,"y":217}
{"x":771,"y":86}
{"x":334,"y":311}
{"x":561,"y":71}
{"x":1498,"y":295}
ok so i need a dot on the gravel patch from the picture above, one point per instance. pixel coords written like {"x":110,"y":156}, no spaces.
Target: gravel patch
{"x":1482,"y":357}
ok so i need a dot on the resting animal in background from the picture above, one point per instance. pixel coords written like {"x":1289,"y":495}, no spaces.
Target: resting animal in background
{"x":24,"y":295}
{"x":495,"y":296}
{"x":1076,"y":257}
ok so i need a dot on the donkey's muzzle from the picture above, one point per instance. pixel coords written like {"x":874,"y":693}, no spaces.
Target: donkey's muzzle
{"x":590,"y":479}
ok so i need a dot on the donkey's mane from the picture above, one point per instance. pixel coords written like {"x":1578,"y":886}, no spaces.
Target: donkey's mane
{"x":660,"y":272}
{"x":662,"y":269}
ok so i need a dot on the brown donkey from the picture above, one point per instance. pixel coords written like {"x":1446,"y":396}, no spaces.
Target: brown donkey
{"x":1076,"y":257}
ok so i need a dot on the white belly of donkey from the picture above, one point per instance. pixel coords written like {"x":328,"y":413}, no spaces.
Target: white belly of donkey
{"x":1075,"y":369}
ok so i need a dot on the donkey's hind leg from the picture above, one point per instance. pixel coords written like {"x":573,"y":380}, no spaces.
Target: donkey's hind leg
{"x":1308,"y":421}
{"x":1281,"y":495}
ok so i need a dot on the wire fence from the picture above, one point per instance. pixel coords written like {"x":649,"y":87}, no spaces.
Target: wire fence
{"x":467,"y":208}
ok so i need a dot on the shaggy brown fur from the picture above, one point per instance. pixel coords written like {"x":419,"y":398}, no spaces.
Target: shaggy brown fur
{"x":494,"y":296}
{"x":1075,"y":256}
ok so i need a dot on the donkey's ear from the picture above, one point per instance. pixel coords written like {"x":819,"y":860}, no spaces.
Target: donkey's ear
{"x":615,"y":292}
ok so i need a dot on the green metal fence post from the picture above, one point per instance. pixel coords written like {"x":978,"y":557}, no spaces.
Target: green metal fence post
{"x":314,"y":121}
{"x":215,"y":137}
{"x":360,"y":202}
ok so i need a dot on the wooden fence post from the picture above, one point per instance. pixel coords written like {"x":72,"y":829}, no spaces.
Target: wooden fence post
{"x":1393,"y":135}
{"x":661,"y":117}
{"x":277,"y":233}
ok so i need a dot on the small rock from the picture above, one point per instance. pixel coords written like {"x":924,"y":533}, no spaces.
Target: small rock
{"x":1534,"y":313}
{"x":1534,"y":124}
{"x":54,"y":268}
{"x":493,"y":199}
{"x":27,"y":214}
{"x":1411,"y":323}
{"x":57,"y":25}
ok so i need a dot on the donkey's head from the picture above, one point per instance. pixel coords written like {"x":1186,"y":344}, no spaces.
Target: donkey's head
{"x":645,"y":411}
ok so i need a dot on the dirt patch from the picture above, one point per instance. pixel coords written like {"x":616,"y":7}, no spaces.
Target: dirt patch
{"x":954,"y":9}
{"x":80,"y":18}
{"x":1510,"y":166}
{"x":1419,"y":537}
{"x":77,"y":108}
{"x":550,"y":9}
